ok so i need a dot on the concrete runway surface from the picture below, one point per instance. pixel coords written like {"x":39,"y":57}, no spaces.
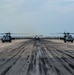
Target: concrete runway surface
{"x":29,"y":57}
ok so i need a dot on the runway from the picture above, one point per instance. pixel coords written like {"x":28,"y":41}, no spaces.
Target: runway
{"x":29,"y":57}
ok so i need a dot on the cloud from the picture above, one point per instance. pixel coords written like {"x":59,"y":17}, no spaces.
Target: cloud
{"x":11,"y":5}
{"x":67,"y":0}
{"x":32,"y":15}
{"x":62,"y":6}
{"x":61,"y":0}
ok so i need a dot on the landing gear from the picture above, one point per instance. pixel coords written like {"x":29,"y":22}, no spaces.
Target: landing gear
{"x":64,"y":41}
{"x":72,"y":41}
{"x":3,"y":41}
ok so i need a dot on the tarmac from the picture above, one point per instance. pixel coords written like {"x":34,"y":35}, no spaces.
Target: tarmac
{"x":44,"y":57}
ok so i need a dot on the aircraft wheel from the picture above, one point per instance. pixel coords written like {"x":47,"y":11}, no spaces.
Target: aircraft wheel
{"x":3,"y":41}
{"x":64,"y":41}
{"x":72,"y":41}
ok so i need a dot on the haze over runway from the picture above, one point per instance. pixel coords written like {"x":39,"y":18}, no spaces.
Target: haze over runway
{"x":37,"y":16}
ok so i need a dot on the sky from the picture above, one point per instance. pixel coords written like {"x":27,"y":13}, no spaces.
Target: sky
{"x":37,"y":17}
